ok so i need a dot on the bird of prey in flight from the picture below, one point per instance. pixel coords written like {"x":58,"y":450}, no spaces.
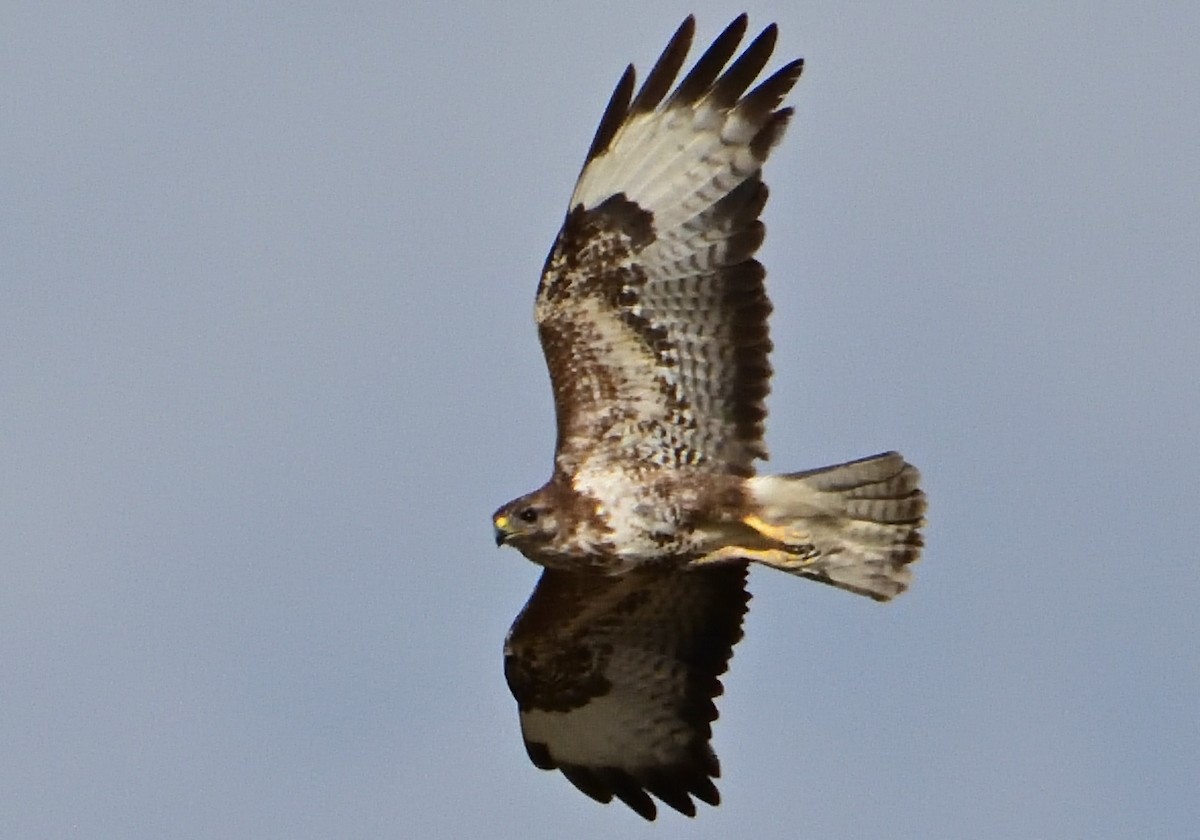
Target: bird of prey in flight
{"x":652,"y":314}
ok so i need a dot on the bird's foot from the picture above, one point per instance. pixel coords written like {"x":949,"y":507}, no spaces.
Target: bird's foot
{"x":787,"y":560}
{"x":795,"y":543}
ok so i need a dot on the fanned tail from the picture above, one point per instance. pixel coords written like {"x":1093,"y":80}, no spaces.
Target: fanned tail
{"x":860,"y":522}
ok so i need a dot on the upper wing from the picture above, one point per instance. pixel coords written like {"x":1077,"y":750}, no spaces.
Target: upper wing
{"x":651,"y":307}
{"x":615,"y":679}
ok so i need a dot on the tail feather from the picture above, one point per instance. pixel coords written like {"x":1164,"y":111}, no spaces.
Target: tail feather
{"x":862,"y":518}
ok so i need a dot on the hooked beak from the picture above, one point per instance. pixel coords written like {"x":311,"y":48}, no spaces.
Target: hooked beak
{"x":500,"y":524}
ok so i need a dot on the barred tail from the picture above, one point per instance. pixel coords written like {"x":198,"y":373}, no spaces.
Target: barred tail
{"x":862,"y":520}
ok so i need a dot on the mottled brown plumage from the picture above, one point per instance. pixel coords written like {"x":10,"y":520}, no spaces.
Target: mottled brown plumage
{"x":586,"y":638}
{"x":652,"y":314}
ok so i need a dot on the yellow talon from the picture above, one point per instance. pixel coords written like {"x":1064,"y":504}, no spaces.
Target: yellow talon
{"x":794,"y":542}
{"x":780,"y":559}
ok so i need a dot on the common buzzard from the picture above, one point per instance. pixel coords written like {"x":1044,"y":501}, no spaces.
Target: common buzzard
{"x":653,"y":319}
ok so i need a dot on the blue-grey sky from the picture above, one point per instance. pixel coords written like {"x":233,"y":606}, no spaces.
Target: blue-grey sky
{"x":267,"y":365}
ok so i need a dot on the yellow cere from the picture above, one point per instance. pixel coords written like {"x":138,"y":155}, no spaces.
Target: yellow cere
{"x":501,"y":522}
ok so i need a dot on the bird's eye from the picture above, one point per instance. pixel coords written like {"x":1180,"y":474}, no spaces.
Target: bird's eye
{"x":528,"y":515}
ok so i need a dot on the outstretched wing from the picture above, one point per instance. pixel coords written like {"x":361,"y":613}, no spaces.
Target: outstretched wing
{"x":615,"y":677}
{"x":651,"y":307}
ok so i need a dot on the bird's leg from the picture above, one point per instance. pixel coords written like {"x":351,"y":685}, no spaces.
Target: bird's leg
{"x":796,"y":543}
{"x":786,"y":548}
{"x":787,"y":560}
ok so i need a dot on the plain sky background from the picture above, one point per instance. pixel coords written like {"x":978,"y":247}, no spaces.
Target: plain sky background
{"x":267,"y":365}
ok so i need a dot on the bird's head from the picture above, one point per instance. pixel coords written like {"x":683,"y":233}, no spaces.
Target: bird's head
{"x":525,"y":523}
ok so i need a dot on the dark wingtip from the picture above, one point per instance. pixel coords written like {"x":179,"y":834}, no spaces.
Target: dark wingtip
{"x":770,"y":93}
{"x":614,"y":115}
{"x":709,"y":65}
{"x":709,"y":76}
{"x":745,"y":68}
{"x":662,"y":75}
